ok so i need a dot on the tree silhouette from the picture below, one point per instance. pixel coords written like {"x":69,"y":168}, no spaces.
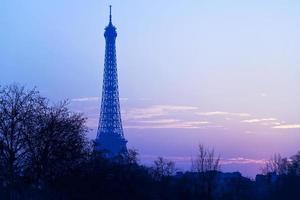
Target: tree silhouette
{"x":162,"y":168}
{"x":205,"y":165}
{"x":37,"y":140}
{"x":295,"y":165}
{"x":276,"y":164}
{"x":57,"y":144}
{"x":18,"y":111}
{"x":205,"y":160}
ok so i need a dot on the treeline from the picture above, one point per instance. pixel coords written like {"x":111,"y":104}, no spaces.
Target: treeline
{"x":45,"y":154}
{"x":280,"y":179}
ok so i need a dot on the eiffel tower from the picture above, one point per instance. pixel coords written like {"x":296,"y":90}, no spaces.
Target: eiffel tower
{"x":110,"y":136}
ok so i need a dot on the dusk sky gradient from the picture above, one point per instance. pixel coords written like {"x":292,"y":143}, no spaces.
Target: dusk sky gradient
{"x":224,"y":73}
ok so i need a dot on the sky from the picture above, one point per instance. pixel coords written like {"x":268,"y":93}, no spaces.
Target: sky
{"x":223,"y":73}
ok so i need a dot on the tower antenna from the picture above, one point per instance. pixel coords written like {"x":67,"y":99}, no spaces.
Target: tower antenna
{"x":110,"y":14}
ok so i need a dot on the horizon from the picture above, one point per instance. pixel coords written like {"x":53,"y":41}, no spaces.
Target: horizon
{"x":223,"y":74}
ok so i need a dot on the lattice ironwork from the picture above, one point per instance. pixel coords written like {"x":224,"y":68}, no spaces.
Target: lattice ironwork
{"x":110,"y":136}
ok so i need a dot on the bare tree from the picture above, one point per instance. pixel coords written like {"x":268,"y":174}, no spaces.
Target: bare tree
{"x":18,"y":109}
{"x":206,"y":165}
{"x":162,"y":168}
{"x":129,"y":157}
{"x":37,"y":140}
{"x":205,"y":160}
{"x":294,"y":167}
{"x":132,"y":156}
{"x":276,"y":164}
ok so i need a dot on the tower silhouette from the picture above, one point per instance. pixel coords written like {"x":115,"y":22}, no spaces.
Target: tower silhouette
{"x":110,"y":136}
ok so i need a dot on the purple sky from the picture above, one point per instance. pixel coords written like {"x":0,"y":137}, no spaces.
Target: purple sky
{"x":243,"y":140}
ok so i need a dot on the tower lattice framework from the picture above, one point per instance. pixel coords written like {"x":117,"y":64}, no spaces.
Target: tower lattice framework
{"x":110,"y":136}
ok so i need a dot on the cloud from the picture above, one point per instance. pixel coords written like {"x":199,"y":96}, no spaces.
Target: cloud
{"x":241,"y":160}
{"x":218,"y":113}
{"x":238,"y":160}
{"x":259,"y":120}
{"x":273,"y":123}
{"x":160,"y":121}
{"x":171,"y":158}
{"x":158,"y":116}
{"x":173,"y":121}
{"x":263,"y":94}
{"x":179,"y":116}
{"x":176,"y":107}
{"x":287,"y":126}
{"x":213,"y":113}
{"x":168,"y":123}
{"x":84,"y":99}
{"x":155,"y":111}
{"x":197,"y":122}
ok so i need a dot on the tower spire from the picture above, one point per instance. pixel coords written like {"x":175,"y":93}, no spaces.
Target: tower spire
{"x":110,"y":21}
